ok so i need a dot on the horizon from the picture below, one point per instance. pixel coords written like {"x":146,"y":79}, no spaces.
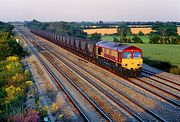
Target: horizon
{"x":93,"y":21}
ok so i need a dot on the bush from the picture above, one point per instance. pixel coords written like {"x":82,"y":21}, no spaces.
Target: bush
{"x":54,"y":107}
{"x":123,"y":40}
{"x":173,"y":40}
{"x":137,"y":39}
{"x":115,"y":39}
{"x":175,"y":70}
{"x":141,"y":33}
{"x":155,"y":39}
{"x":178,"y":39}
{"x":12,"y":58}
{"x":95,"y":37}
{"x":31,"y":116}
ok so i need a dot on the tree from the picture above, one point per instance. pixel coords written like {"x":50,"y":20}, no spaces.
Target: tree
{"x":155,"y":39}
{"x":165,"y":29}
{"x":115,"y":39}
{"x":137,"y":39}
{"x":6,"y":27}
{"x":141,"y":33}
{"x":95,"y":37}
{"x":123,"y":30}
{"x":66,"y":28}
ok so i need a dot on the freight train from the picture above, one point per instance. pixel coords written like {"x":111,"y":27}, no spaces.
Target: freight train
{"x":123,"y":59}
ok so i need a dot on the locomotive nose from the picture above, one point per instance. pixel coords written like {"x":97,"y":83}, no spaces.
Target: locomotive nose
{"x":132,"y":64}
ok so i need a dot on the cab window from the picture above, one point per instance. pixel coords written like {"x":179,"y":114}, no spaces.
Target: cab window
{"x":99,"y":50}
{"x":137,"y":55}
{"x":127,"y":55}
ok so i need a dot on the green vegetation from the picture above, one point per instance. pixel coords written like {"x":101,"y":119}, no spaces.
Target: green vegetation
{"x":165,"y":57}
{"x":13,"y":84}
{"x":123,"y":30}
{"x":164,"y":33}
{"x":4,"y":27}
{"x":145,"y":39}
{"x":95,"y":37}
{"x":137,"y":39}
{"x":9,"y":46}
{"x":165,"y":29}
{"x":14,"y":81}
{"x":66,"y":28}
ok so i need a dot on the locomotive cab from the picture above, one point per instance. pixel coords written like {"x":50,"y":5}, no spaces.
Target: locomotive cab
{"x":131,"y":59}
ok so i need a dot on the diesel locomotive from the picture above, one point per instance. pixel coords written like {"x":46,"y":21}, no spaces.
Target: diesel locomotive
{"x":124,"y":59}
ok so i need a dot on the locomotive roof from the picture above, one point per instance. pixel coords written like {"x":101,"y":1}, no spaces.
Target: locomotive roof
{"x":116,"y":46}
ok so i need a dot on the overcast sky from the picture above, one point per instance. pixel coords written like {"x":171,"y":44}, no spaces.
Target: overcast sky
{"x":90,"y":10}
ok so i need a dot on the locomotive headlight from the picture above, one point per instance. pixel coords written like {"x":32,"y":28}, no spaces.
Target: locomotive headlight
{"x":124,"y":64}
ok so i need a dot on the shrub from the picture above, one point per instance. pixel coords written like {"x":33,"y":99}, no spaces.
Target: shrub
{"x":173,"y":40}
{"x":141,"y":33}
{"x":31,"y":116}
{"x":115,"y":39}
{"x":95,"y":37}
{"x":28,"y":83}
{"x":123,"y":40}
{"x":27,"y":75}
{"x":54,"y":107}
{"x":155,"y":39}
{"x":12,"y":58}
{"x":137,"y":39}
{"x":175,"y":71}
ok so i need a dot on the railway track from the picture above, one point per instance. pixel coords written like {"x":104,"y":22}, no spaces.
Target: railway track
{"x":109,"y":85}
{"x":110,"y":96}
{"x":164,"y":82}
{"x":72,"y":99}
{"x":160,"y":77}
{"x":155,"y":93}
{"x":158,"y":88}
{"x":119,"y":92}
{"x":112,"y":88}
{"x":138,"y":83}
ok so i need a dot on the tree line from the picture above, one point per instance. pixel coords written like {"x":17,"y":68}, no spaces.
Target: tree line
{"x":163,"y":33}
{"x":66,"y":28}
{"x":101,"y":24}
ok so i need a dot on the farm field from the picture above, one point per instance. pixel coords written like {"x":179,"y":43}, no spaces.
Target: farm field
{"x":178,"y":29}
{"x":104,"y":31}
{"x":145,"y":39}
{"x":167,"y":53}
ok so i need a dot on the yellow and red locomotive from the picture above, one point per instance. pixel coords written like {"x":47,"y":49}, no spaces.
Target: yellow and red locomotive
{"x":127,"y":58}
{"x":124,"y":59}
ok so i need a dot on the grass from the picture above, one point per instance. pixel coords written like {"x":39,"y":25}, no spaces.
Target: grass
{"x":164,"y":53}
{"x":145,"y":39}
{"x":162,"y":56}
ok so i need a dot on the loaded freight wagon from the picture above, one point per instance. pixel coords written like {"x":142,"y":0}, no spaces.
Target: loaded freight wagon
{"x":124,"y":59}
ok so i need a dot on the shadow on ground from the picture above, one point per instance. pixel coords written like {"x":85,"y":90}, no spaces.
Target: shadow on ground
{"x":162,"y":65}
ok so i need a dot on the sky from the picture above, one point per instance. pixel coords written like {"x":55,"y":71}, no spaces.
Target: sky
{"x":90,"y":10}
